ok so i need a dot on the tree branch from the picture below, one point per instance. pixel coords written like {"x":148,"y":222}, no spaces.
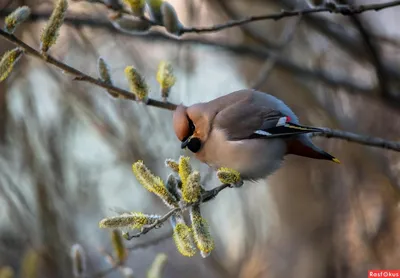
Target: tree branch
{"x":252,"y":51}
{"x":331,"y":8}
{"x":360,"y":139}
{"x":330,"y":133}
{"x":78,"y":75}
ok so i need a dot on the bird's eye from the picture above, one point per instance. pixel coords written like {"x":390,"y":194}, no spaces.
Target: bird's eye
{"x":194,"y":145}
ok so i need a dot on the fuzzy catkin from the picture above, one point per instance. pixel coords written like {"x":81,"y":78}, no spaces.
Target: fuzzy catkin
{"x":16,"y":18}
{"x":8,"y":61}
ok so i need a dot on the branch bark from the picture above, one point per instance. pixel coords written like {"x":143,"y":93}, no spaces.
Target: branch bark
{"x":330,"y":133}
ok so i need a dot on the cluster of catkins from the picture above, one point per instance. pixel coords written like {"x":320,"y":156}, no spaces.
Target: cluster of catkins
{"x":182,"y":191}
{"x":137,"y":84}
{"x":162,"y":13}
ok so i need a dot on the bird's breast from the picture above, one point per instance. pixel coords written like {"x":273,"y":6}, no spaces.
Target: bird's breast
{"x":253,"y":158}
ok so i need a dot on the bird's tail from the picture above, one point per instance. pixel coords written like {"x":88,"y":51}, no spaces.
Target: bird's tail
{"x":303,"y":146}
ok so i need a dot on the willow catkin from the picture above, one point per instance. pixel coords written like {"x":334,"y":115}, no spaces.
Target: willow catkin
{"x":137,"y":83}
{"x":78,"y":260}
{"x":133,"y":220}
{"x":8,"y":61}
{"x":191,"y":190}
{"x":166,"y":78}
{"x":17,"y":17}
{"x":51,"y":31}
{"x":153,"y":184}
{"x":201,"y":233}
{"x":170,"y":19}
{"x":183,"y":239}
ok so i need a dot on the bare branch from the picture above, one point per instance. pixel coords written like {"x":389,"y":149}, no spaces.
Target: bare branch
{"x":360,"y":139}
{"x":285,"y":38}
{"x":331,"y":8}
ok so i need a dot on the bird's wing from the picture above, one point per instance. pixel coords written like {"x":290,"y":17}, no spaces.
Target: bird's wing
{"x":246,"y":120}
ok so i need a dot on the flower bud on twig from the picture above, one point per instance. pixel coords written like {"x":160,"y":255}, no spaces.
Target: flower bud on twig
{"x":30,"y":264}
{"x":133,"y":220}
{"x":51,"y":31}
{"x":184,"y":168}
{"x":191,"y":190}
{"x":137,"y":84}
{"x":184,"y":240}
{"x":172,"y":186}
{"x":154,"y":7}
{"x":172,"y":164}
{"x":170,"y":19}
{"x":136,"y":6}
{"x":229,"y":176}
{"x":119,"y":249}
{"x":155,"y":270}
{"x":105,"y":76}
{"x":7,"y":62}
{"x":78,"y":260}
{"x":201,"y":233}
{"x":166,"y":78}
{"x":153,"y":184}
{"x":16,"y":18}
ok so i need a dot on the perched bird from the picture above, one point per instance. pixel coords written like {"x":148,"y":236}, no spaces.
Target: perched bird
{"x":248,"y":131}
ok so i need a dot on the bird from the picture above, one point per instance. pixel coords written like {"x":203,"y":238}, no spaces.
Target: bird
{"x":248,"y":131}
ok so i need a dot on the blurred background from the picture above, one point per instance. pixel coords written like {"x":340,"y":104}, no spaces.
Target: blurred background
{"x":67,"y":148}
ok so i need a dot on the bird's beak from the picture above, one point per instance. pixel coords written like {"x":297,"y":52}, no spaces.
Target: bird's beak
{"x":186,"y":142}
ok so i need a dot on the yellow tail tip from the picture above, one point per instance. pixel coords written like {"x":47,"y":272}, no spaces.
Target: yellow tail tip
{"x":336,"y":160}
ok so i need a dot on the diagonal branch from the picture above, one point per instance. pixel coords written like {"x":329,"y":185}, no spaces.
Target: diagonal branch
{"x":78,"y":75}
{"x":330,"y":133}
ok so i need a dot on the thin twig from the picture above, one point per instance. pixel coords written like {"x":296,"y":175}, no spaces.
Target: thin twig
{"x":206,"y":196}
{"x":375,"y":54}
{"x":285,"y":38}
{"x":151,"y":242}
{"x":331,"y":8}
{"x":336,"y":9}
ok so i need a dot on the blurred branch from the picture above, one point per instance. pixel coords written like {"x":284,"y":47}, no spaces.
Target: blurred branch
{"x":374,"y":54}
{"x":286,"y":37}
{"x":150,"y":242}
{"x":365,"y":140}
{"x":153,"y":242}
{"x":331,"y":8}
{"x":252,"y":33}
